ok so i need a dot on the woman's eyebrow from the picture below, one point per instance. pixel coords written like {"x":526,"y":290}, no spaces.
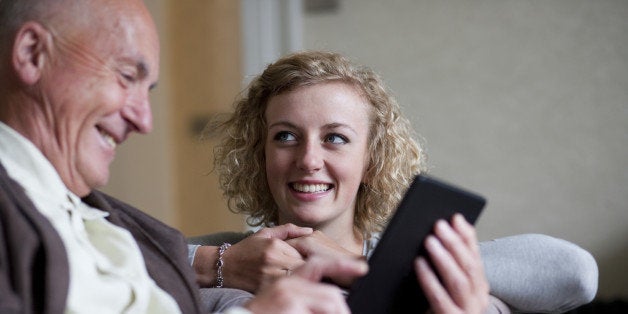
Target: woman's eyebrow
{"x":337,"y":125}
{"x":283,"y":123}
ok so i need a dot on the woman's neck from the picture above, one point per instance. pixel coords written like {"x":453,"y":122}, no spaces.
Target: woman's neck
{"x":347,"y":237}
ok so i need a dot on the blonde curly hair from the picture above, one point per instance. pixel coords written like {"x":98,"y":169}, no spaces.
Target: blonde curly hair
{"x":395,"y":157}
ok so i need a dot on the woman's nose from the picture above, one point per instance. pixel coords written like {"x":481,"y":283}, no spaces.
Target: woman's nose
{"x":310,"y":157}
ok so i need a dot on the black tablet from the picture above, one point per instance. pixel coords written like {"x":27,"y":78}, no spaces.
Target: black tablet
{"x":391,"y":286}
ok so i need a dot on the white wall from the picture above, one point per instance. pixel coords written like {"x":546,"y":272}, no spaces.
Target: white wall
{"x":524,"y":101}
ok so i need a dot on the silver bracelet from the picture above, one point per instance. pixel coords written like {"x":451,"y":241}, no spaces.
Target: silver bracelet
{"x":221,"y":251}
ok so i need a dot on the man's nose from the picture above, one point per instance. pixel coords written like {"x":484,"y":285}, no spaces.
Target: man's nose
{"x":138,"y":113}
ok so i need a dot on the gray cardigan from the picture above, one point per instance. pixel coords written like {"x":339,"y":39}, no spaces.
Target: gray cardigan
{"x":34,"y":270}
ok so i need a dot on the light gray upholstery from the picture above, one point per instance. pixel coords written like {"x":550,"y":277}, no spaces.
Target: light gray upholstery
{"x":216,"y":300}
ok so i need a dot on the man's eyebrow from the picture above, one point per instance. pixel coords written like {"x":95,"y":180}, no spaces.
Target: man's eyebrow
{"x":143,"y":70}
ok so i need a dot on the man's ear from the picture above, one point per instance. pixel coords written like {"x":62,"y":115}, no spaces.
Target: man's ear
{"x":30,"y":49}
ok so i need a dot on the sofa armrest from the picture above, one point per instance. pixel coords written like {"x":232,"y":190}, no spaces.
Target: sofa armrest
{"x":218,"y":238}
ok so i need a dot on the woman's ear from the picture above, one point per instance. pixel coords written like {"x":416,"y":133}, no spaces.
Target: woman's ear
{"x":30,"y":48}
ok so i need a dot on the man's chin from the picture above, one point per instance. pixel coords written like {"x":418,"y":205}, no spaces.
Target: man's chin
{"x":80,"y":191}
{"x":84,"y":187}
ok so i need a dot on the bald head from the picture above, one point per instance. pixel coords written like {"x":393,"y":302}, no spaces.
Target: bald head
{"x":13,"y":13}
{"x":75,"y":13}
{"x":63,"y":16}
{"x":75,"y":80}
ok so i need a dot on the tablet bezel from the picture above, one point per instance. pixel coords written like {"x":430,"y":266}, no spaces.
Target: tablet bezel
{"x":391,"y":286}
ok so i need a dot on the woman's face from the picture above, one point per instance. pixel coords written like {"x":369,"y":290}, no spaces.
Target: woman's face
{"x":316,"y":153}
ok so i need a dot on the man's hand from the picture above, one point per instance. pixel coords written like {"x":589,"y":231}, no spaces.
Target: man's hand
{"x":303,"y":293}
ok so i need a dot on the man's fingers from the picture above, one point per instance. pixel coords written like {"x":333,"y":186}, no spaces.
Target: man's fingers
{"x":302,"y":292}
{"x":298,"y":295}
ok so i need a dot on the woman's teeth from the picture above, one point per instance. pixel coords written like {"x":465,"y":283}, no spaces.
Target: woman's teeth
{"x":310,"y":188}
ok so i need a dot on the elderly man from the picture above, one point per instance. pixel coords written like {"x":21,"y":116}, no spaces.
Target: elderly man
{"x":75,"y":77}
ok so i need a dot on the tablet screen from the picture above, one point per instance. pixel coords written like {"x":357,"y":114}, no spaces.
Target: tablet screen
{"x":391,"y":285}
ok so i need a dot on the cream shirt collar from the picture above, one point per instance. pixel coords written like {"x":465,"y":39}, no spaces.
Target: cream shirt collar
{"x":29,"y":167}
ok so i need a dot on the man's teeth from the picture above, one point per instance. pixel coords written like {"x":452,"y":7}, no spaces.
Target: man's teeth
{"x":108,"y":139}
{"x":310,"y":188}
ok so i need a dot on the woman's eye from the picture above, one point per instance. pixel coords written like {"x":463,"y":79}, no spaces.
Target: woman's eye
{"x":284,"y":137}
{"x":336,"y":139}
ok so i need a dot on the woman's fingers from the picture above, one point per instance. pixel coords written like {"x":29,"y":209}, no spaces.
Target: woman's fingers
{"x":437,"y":296}
{"x":463,"y":248}
{"x":460,"y":285}
{"x":318,"y":267}
{"x":284,"y":232}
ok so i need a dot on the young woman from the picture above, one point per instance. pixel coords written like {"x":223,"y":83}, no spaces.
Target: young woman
{"x":319,"y":142}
